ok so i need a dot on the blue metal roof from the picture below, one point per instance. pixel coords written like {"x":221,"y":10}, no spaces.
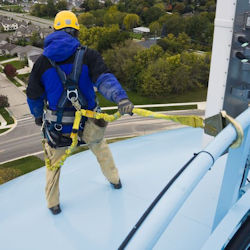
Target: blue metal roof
{"x":95,"y":216}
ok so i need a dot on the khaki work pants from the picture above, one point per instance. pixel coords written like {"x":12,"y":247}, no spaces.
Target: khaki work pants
{"x":93,"y":136}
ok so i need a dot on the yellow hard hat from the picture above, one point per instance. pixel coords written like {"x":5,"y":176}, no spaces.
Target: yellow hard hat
{"x":66,"y":19}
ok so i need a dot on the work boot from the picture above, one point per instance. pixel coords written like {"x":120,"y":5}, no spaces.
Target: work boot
{"x":56,"y":209}
{"x":116,"y":186}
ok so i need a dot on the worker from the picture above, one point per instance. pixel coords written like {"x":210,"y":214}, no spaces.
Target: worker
{"x":58,"y":78}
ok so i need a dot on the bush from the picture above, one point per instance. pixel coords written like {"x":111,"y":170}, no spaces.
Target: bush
{"x":7,"y":174}
{"x":4,"y":103}
{"x":9,"y":70}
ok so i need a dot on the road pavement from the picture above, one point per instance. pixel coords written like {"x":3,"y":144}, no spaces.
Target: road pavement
{"x":26,"y":17}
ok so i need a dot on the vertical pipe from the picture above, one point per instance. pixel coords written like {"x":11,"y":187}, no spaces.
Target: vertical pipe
{"x":222,"y":39}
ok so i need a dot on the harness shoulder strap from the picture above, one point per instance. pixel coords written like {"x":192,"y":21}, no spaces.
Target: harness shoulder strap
{"x":70,"y":84}
{"x":77,"y":66}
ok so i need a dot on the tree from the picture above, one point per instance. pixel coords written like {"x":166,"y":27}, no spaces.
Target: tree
{"x":51,"y":9}
{"x":131,"y":20}
{"x":87,"y":19}
{"x":179,"y":7}
{"x":174,"y":24}
{"x":98,"y":14}
{"x":113,"y":16}
{"x":152,"y":14}
{"x":9,"y":70}
{"x":89,"y":5}
{"x":61,"y":5}
{"x":102,"y":38}
{"x":200,"y":28}
{"x":120,"y":58}
{"x":174,"y":44}
{"x":36,"y":40}
{"x":174,"y":74}
{"x":4,"y":103}
{"x":155,"y":28}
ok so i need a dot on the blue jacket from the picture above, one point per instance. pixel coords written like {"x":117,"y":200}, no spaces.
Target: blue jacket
{"x":44,"y":82}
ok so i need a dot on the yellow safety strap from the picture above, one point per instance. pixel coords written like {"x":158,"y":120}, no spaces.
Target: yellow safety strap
{"x":193,"y":121}
{"x":238,"y":128}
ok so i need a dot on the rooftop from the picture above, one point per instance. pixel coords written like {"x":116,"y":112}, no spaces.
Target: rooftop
{"x":94,"y":216}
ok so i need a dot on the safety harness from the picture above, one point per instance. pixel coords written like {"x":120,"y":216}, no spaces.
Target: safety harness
{"x":71,"y":96}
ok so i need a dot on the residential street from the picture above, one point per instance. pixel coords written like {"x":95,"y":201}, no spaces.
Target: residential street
{"x":36,"y":20}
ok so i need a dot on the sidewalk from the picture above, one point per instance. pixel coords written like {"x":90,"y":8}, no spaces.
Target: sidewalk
{"x":17,"y":99}
{"x":9,"y":60}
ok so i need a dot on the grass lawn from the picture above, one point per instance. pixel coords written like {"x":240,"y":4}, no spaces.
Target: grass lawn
{"x":3,"y":58}
{"x":14,"y":81}
{"x":17,"y":64}
{"x":3,"y":130}
{"x":24,"y":77}
{"x":13,"y":169}
{"x":196,"y":95}
{"x":6,"y":116}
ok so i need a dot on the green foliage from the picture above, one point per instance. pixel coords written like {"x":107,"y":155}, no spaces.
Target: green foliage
{"x":16,"y":65}
{"x":61,"y":5}
{"x":113,"y":16}
{"x":6,"y":116}
{"x":87,"y":19}
{"x":102,"y":38}
{"x":174,"y":74}
{"x":155,"y":28}
{"x":5,"y":57}
{"x":131,"y":20}
{"x":36,"y":40}
{"x":179,"y":7}
{"x":174,"y":44}
{"x":24,"y":77}
{"x":89,"y":5}
{"x":135,"y":68}
{"x":4,"y":103}
{"x":173,"y":24}
{"x":152,"y":14}
{"x":119,"y":58}
{"x":99,"y":14}
{"x":137,"y":36}
{"x":45,"y":10}
{"x":200,"y":28}
{"x":199,"y":66}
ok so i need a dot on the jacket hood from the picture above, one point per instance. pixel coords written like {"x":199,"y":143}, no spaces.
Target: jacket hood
{"x":59,"y":45}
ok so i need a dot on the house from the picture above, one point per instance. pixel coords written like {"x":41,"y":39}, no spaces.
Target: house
{"x":3,"y":42}
{"x":5,"y":49}
{"x":15,"y":50}
{"x":8,"y":25}
{"x":26,"y":32}
{"x":32,"y":59}
{"x":44,"y":32}
{"x":28,"y":51}
{"x":141,"y":30}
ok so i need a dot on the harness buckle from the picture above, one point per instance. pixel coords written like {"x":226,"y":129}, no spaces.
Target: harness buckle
{"x":72,"y":95}
{"x":58,"y":127}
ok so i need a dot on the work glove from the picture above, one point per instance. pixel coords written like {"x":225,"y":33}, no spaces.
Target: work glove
{"x":125,"y":106}
{"x":39,"y":121}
